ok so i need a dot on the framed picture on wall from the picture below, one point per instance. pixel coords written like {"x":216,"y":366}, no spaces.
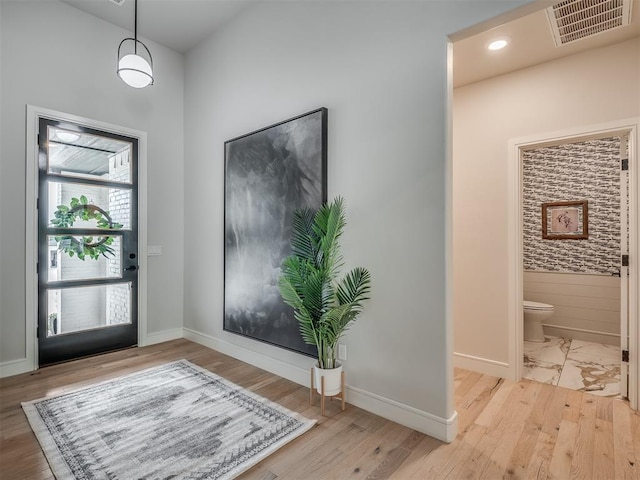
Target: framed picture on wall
{"x":565,"y":220}
{"x":268,"y":174}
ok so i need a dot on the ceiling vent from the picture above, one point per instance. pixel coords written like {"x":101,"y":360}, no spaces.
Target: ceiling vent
{"x":118,"y":2}
{"x":573,"y":20}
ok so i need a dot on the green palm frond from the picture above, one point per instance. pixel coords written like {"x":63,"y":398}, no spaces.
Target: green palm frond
{"x":290,"y":283}
{"x":323,"y":306}
{"x":315,"y":299}
{"x":307,"y":329}
{"x":302,"y":238}
{"x":336,"y":322}
{"x":354,"y":287}
{"x":328,"y":227}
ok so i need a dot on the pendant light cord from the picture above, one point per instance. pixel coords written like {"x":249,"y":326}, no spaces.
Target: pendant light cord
{"x":135,"y":28}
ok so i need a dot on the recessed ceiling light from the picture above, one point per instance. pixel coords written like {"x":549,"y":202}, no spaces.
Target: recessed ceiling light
{"x":497,"y":44}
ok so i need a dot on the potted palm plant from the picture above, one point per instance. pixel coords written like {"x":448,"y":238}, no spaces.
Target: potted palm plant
{"x":324,"y":305}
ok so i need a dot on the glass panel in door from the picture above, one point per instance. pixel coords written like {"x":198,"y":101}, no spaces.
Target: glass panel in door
{"x":62,"y":266}
{"x":73,"y":153}
{"x":71,"y":310}
{"x":88,"y":247}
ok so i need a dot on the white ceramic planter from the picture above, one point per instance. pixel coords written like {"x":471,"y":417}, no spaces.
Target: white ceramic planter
{"x":332,"y":380}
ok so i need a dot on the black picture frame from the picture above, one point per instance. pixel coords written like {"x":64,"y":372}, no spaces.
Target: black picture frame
{"x":268,"y":174}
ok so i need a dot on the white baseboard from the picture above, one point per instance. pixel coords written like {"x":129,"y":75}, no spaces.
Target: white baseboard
{"x":282,"y":369}
{"x":15,"y":367}
{"x":24,"y":365}
{"x":482,"y":365}
{"x":163,"y":336}
{"x":582,"y":334}
{"x":444,"y":429}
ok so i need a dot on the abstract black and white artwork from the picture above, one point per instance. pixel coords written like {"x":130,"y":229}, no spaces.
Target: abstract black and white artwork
{"x":268,"y":174}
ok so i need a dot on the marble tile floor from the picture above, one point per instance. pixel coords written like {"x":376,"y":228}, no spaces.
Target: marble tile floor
{"x":574,"y":364}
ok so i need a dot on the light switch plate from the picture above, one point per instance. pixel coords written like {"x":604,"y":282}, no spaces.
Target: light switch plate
{"x":153,"y":250}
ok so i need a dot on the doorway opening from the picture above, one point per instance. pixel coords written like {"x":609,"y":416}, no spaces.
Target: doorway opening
{"x":85,"y":235}
{"x":595,"y":291}
{"x":575,"y":236}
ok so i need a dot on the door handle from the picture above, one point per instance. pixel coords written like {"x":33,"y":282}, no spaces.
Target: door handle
{"x":132,"y":268}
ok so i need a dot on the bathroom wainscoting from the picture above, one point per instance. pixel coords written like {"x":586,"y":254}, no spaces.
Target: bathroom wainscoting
{"x":587,"y":307}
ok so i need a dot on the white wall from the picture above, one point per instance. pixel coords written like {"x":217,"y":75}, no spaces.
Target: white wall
{"x":593,"y":87}
{"x":57,"y":57}
{"x":380,"y":69}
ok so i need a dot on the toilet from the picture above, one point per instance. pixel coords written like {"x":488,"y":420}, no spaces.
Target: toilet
{"x":534,"y":314}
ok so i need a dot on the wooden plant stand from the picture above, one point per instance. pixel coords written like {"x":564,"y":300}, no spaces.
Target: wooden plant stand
{"x":340,"y":396}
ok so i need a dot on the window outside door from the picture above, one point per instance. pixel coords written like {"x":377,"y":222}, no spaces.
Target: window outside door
{"x":87,"y":241}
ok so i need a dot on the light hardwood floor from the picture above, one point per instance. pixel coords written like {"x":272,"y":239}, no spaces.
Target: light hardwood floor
{"x":506,"y":429}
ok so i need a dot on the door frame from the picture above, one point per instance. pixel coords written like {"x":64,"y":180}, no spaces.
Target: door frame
{"x":515,"y":238}
{"x":34,"y":114}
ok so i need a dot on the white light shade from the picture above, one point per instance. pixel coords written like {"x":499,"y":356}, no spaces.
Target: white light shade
{"x":497,"y":45}
{"x":135,"y":71}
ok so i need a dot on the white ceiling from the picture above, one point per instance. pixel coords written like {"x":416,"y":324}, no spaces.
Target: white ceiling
{"x":531,"y":43}
{"x":182,"y":24}
{"x":176,"y":24}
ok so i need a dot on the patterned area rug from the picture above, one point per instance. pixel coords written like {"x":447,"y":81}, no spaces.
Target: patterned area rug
{"x":175,"y":421}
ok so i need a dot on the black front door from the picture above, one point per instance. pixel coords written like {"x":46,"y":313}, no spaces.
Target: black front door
{"x":87,"y":241}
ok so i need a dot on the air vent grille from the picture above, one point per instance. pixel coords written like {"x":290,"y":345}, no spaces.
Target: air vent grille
{"x":573,"y":20}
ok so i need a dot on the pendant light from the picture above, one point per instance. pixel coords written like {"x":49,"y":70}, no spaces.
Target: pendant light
{"x":133,"y":68}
